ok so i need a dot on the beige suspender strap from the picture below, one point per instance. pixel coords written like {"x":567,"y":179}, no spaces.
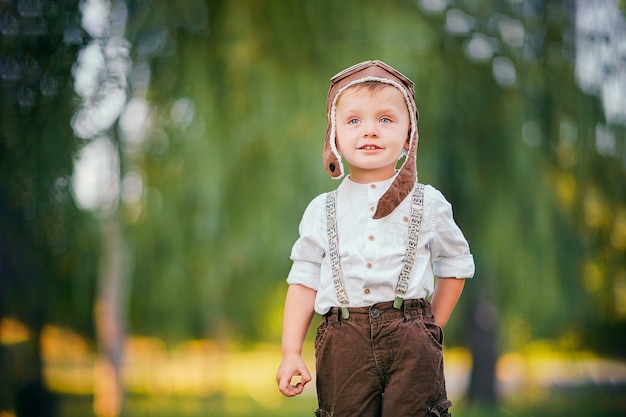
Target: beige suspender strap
{"x":333,"y":248}
{"x":411,"y":246}
{"x":409,"y":258}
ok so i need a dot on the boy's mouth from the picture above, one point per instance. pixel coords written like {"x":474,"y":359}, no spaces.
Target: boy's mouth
{"x":370,"y":147}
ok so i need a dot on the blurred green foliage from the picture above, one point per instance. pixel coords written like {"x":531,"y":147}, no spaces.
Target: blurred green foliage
{"x":517,"y":159}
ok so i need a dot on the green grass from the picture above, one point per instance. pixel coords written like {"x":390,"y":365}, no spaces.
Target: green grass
{"x":81,"y":406}
{"x":582,"y":401}
{"x":560,"y":402}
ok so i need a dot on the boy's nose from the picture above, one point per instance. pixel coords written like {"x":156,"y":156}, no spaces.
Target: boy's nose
{"x":370,"y":129}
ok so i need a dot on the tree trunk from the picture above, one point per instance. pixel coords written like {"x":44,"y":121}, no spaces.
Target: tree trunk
{"x":482,"y":339}
{"x":109,"y":312}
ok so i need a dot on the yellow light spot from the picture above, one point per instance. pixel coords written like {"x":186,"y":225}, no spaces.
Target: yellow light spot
{"x":569,"y":341}
{"x":593,"y":278}
{"x":520,"y":332}
{"x":63,"y":344}
{"x":618,"y":235}
{"x":566,"y":189}
{"x":12,"y":332}
{"x":595,"y":210}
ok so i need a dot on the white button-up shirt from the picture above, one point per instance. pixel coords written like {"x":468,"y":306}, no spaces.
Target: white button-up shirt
{"x":371,"y":250}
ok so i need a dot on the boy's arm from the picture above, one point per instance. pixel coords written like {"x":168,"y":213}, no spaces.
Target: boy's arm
{"x":445,"y":297}
{"x":299,"y":309}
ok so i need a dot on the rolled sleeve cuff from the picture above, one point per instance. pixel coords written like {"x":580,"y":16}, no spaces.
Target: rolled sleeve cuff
{"x":304,"y":273}
{"x":457,"y":267}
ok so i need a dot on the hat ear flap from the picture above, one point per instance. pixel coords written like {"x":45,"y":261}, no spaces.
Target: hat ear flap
{"x":330,"y":156}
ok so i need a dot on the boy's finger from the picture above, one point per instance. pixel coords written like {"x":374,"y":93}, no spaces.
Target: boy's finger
{"x":284,"y":386}
{"x":290,"y":390}
{"x":306,"y":376}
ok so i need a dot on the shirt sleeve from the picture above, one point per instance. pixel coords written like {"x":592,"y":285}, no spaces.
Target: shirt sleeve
{"x":449,"y":249}
{"x":307,"y":252}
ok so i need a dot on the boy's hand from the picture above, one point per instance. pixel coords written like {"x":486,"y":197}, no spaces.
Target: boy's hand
{"x":445,"y":297}
{"x":296,"y":321}
{"x":292,"y":375}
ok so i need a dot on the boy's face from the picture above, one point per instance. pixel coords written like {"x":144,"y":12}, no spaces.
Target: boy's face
{"x":372,"y":130}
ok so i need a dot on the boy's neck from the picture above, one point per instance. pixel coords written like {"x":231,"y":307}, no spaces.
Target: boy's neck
{"x":369,"y":177}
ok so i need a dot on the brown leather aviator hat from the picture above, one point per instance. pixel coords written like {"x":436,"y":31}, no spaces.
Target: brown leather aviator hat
{"x":406,"y":176}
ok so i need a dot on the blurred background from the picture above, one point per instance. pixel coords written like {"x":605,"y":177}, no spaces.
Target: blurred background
{"x":156,"y":158}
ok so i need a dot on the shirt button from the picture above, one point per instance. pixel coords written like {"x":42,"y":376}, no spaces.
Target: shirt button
{"x":372,"y":208}
{"x":370,"y":237}
{"x":369,"y":265}
{"x":366,"y":291}
{"x":406,"y":219}
{"x":373,"y":186}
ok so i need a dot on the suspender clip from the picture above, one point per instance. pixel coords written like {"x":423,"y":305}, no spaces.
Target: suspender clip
{"x":345,"y":313}
{"x":397,"y":303}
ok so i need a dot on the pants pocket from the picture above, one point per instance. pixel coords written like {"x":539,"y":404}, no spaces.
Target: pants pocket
{"x":440,"y":409}
{"x":320,"y":336}
{"x":433,"y":332}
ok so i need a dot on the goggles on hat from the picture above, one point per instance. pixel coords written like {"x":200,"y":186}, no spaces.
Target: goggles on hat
{"x":359,"y":67}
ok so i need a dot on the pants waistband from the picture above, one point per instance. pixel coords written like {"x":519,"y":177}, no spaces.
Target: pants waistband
{"x":382,"y":311}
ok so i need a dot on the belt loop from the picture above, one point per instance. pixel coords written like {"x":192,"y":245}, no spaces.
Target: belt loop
{"x":426,"y":308}
{"x":406,"y":310}
{"x":337,"y":318}
{"x":420,"y":306}
{"x":328,"y":317}
{"x":412,"y":308}
{"x":333,"y":317}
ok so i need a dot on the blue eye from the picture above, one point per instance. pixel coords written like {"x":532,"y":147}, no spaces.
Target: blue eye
{"x":385,"y":120}
{"x":353,"y":121}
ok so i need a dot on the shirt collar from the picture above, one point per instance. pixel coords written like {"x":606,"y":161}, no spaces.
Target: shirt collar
{"x":377,"y":188}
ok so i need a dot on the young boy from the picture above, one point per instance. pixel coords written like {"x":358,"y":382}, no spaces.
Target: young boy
{"x":360,"y":263}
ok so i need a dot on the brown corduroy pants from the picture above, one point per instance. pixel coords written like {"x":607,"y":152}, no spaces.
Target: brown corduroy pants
{"x":381,"y":362}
